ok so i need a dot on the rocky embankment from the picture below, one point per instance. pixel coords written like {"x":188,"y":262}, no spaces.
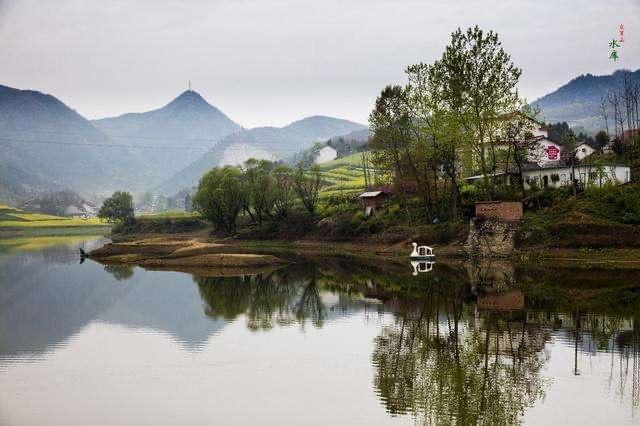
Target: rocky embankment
{"x":491,"y":238}
{"x":162,"y":253}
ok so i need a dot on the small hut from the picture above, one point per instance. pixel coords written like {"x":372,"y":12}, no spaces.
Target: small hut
{"x":373,"y":200}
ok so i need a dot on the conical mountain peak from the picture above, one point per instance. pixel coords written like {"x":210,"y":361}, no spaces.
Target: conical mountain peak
{"x":189,"y":98}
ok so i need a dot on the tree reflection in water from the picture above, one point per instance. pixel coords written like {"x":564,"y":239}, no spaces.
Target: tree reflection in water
{"x":467,"y":344}
{"x":119,"y":271}
{"x":279,"y":297}
{"x":444,"y":364}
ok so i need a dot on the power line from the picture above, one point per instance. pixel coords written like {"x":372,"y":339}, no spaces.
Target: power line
{"x":244,"y":145}
{"x":106,"y":145}
{"x":114,"y":136}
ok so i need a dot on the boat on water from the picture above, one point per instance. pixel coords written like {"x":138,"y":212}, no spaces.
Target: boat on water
{"x":422,"y":252}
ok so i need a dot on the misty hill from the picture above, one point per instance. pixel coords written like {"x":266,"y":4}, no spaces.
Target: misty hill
{"x":577,"y":102}
{"x":273,"y":143}
{"x":182,"y":130}
{"x":46,"y":145}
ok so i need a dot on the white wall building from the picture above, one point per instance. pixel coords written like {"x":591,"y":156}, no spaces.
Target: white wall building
{"x":583,"y":150}
{"x":539,"y":130}
{"x":585,"y":174}
{"x":545,"y":151}
{"x":325,"y":154}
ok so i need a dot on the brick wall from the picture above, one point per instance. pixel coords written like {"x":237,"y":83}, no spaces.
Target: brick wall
{"x":512,"y":300}
{"x":505,"y":210}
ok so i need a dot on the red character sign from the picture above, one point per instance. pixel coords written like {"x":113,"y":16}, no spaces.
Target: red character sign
{"x":552,"y":152}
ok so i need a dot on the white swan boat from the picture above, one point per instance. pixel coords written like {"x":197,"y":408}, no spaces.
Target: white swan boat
{"x":422,"y":252}
{"x":422,"y":266}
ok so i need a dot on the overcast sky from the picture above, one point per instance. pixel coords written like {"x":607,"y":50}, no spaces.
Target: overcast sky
{"x":267,"y":62}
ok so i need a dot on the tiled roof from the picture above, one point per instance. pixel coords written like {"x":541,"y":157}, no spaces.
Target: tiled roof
{"x":591,"y":144}
{"x":370,"y":194}
{"x":628,"y":134}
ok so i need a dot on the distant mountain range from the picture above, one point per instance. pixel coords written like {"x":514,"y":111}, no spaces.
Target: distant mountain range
{"x":182,"y":130}
{"x":261,"y":142}
{"x":577,"y":102}
{"x":45,"y":145}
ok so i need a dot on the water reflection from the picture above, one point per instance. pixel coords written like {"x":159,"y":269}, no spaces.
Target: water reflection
{"x":299,"y":294}
{"x":421,"y":266}
{"x":466,"y":343}
{"x":444,"y":363}
{"x":266,"y":300}
{"x":119,"y":272}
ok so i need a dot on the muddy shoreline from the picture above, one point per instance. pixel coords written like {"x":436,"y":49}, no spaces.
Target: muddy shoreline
{"x":183,"y":254}
{"x":201,"y":250}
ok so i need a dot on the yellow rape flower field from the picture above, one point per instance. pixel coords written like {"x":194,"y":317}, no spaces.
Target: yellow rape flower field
{"x":13,"y":220}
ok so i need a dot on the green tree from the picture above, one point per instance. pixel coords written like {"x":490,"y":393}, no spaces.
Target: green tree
{"x":560,"y":132}
{"x":118,"y":208}
{"x":119,"y":272}
{"x":479,"y":87}
{"x":307,"y":186}
{"x":261,"y":188}
{"x":390,"y":123}
{"x":220,"y":197}
{"x":518,"y":137}
{"x":602,"y":138}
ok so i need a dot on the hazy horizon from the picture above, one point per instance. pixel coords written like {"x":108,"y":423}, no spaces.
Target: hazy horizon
{"x":273,"y":63}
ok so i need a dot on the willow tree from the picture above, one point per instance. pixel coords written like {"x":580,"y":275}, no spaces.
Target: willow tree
{"x":307,"y":184}
{"x":220,"y":197}
{"x":261,"y":188}
{"x":284,"y":196}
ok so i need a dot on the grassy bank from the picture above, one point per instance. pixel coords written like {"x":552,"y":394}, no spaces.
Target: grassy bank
{"x":598,"y":225}
{"x":607,"y":217}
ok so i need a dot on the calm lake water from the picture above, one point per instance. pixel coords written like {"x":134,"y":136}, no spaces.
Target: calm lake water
{"x":324,"y":341}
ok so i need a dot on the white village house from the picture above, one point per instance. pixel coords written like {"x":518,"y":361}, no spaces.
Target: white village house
{"x":325,"y":154}
{"x":586,"y":174}
{"x":83,"y":211}
{"x":545,"y":166}
{"x":585,"y":149}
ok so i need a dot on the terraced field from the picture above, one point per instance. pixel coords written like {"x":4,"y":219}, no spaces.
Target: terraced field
{"x":343,"y":176}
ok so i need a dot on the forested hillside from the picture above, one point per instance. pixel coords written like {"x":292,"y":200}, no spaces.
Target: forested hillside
{"x":578,"y":102}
